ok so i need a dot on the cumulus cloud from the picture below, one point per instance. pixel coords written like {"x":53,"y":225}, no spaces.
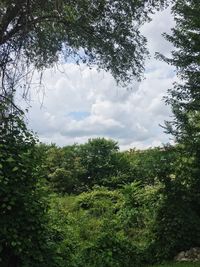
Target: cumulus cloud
{"x":80,"y":103}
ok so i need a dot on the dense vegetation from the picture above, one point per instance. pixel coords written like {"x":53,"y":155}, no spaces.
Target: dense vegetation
{"x":124,"y":208}
{"x":178,"y":265}
{"x":92,"y":205}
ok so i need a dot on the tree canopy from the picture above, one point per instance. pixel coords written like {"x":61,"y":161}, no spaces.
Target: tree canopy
{"x":38,"y":33}
{"x":184,"y":98}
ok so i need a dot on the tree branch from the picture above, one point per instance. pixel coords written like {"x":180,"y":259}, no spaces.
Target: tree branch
{"x":11,"y":102}
{"x":31,"y":23}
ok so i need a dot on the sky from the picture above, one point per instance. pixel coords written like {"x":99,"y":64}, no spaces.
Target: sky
{"x":77,"y":103}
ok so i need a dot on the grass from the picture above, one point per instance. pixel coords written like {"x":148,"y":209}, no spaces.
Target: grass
{"x":197,"y":264}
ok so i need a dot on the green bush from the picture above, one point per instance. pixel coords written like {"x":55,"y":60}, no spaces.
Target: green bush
{"x":87,"y":230}
{"x":112,"y":249}
{"x":100,"y":201}
{"x":23,"y":223}
{"x":177,"y":225}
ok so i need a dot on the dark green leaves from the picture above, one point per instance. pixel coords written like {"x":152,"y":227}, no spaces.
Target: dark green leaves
{"x":23,"y":221}
{"x":102,"y":33}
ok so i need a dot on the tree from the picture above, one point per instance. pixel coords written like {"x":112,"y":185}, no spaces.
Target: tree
{"x":75,"y":168}
{"x":185,"y":96}
{"x":182,"y":194}
{"x":23,"y":232}
{"x":153,"y":165}
{"x":36,"y":33}
{"x":63,"y":169}
{"x":98,"y":157}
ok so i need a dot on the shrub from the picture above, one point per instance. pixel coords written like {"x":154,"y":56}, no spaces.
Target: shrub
{"x":176,"y":226}
{"x":112,"y":249}
{"x":100,"y":201}
{"x":23,"y":233}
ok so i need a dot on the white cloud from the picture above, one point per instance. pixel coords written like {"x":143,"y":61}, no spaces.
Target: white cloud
{"x":162,"y":22}
{"x":80,"y":103}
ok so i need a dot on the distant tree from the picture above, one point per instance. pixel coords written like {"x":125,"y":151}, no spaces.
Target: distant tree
{"x":76,"y":168}
{"x":154,"y":164}
{"x":64,"y":169}
{"x":54,"y":158}
{"x":98,"y":158}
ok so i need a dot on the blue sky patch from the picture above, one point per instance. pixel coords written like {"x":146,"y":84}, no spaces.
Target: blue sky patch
{"x":79,"y":115}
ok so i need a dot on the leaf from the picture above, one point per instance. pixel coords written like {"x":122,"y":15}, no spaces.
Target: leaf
{"x":10,"y":160}
{"x":15,"y":169}
{"x":13,"y":243}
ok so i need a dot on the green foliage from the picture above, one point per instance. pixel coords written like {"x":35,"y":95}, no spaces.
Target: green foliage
{"x":177,"y":225}
{"x":138,"y":213}
{"x":62,"y":167}
{"x":112,"y":248}
{"x":134,"y":226}
{"x":64,"y":229}
{"x":100,"y":201}
{"x":23,"y":232}
{"x":177,"y":222}
{"x":150,"y":214}
{"x":154,"y":164}
{"x":184,"y":97}
{"x":87,"y":226}
{"x":137,"y":223}
{"x":62,"y":180}
{"x":93,"y":32}
{"x":98,"y":157}
{"x":77,"y":168}
{"x":182,"y":264}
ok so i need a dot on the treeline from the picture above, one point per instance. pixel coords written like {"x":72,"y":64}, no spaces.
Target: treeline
{"x":77,"y":168}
